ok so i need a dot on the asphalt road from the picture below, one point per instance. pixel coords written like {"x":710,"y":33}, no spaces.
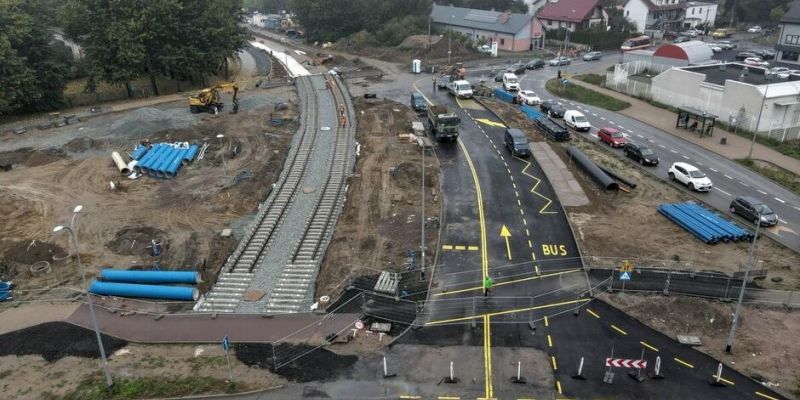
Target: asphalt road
{"x":729,"y":178}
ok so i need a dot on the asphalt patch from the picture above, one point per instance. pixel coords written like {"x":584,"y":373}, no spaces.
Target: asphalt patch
{"x":56,"y":340}
{"x":316,"y":366}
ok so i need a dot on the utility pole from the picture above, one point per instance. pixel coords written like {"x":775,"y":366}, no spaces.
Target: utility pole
{"x":422,"y":246}
{"x":758,"y":122}
{"x":733,"y":11}
{"x":750,"y":259}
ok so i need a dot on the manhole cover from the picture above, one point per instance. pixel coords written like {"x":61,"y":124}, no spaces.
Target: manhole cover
{"x":308,"y":189}
{"x":325,"y":128}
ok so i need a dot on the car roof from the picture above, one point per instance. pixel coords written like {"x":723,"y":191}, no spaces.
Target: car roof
{"x":515,"y":132}
{"x":751,"y":200}
{"x":609,"y":130}
{"x":688,"y":167}
{"x":575,"y":112}
{"x":526,"y":92}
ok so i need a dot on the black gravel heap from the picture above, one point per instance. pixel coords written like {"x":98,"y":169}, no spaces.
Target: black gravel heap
{"x":56,"y":340}
{"x":318,"y":365}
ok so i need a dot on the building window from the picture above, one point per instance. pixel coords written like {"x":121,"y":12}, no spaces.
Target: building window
{"x":502,"y":42}
{"x":792,"y":39}
{"x":789,"y":56}
{"x":549,"y":22}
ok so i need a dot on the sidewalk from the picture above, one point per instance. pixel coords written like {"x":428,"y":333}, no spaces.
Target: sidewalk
{"x":660,"y":118}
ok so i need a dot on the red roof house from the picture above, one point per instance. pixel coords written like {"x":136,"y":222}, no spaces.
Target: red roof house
{"x":572,"y":14}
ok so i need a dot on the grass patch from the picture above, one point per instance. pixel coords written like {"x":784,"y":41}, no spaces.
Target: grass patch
{"x":781,"y":176}
{"x":594,"y":79}
{"x":200,"y":362}
{"x":586,"y":96}
{"x":170,"y":386}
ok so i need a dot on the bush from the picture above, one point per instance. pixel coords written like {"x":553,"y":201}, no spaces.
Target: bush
{"x":586,"y":96}
{"x":395,"y":30}
{"x":594,"y":79}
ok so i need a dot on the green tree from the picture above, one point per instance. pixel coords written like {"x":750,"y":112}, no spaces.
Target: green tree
{"x":776,"y":13}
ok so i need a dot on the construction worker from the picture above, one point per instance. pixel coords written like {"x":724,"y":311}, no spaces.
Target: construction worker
{"x":433,"y":80}
{"x":341,"y":109}
{"x":488,"y":284}
{"x":344,"y":120}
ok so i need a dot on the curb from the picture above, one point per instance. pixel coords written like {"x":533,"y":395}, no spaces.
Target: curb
{"x":223,"y":395}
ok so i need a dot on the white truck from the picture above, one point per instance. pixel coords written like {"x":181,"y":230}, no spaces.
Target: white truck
{"x":460,"y":88}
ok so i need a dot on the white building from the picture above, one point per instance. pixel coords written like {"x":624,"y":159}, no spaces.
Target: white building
{"x":700,"y":13}
{"x":655,"y":15}
{"x":789,"y":40}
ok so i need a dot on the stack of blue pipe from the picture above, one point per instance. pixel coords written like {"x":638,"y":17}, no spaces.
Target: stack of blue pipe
{"x":146,"y":284}
{"x":706,"y":225}
{"x":503,"y":95}
{"x":531,"y":112}
{"x":163,"y":160}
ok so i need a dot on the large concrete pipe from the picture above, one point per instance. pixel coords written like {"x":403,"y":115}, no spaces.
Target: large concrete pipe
{"x":594,"y":171}
{"x":122,"y":166}
{"x":618,"y":177}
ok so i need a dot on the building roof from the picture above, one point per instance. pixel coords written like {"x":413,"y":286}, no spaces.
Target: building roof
{"x":568,"y":10}
{"x":693,"y":51}
{"x":664,"y":7}
{"x":479,"y":19}
{"x":754,"y":76}
{"x":793,"y":15}
{"x":699,"y":4}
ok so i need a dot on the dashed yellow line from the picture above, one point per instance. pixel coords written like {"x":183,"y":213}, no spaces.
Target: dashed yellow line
{"x":511,"y":311}
{"x":482,"y":220}
{"x":460,"y":247}
{"x":472,"y":248}
{"x":447,"y":247}
{"x":558,"y":387}
{"x":546,"y":321}
{"x":616,"y":328}
{"x":449,"y":398}
{"x":594,"y":314}
{"x":549,"y":341}
{"x":406,"y":396}
{"x":684,"y":363}
{"x":765,"y":396}
{"x":536,"y":185}
{"x":554,"y":363}
{"x":721,"y":379}
{"x":648,"y":346}
{"x":504,"y":283}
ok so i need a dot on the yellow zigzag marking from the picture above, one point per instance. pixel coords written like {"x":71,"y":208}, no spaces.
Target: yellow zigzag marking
{"x":535,"y":185}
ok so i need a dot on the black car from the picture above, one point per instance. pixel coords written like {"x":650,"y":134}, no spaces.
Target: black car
{"x":520,"y":70}
{"x":418,"y":102}
{"x":751,"y":208}
{"x":746,"y":54}
{"x":498,"y":77}
{"x":641,"y":153}
{"x":552,"y":130}
{"x":765,"y":54}
{"x":537,"y":63}
{"x":553,"y":108}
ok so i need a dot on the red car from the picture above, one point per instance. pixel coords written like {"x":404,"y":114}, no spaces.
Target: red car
{"x":612,"y":137}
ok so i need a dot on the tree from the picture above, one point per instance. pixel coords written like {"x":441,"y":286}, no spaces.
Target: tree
{"x":776,"y":13}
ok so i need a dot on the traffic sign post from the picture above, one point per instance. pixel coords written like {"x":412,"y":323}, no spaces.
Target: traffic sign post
{"x":637,"y":375}
{"x":625,"y":363}
{"x":625,"y":271}
{"x":226,"y":344}
{"x":657,"y":371}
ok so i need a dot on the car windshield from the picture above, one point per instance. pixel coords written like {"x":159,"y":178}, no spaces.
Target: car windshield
{"x":646,"y":151}
{"x":763,"y":209}
{"x":616,"y":134}
{"x":697,"y":174}
{"x":511,"y":80}
{"x":580,"y":118}
{"x":464,"y":86}
{"x":449,"y":120}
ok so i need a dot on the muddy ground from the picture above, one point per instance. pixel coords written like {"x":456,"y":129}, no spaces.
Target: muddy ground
{"x":54,"y":170}
{"x":762,"y":348}
{"x":381,"y":219}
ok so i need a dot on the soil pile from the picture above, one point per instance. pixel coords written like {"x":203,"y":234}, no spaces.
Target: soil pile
{"x":136,"y":240}
{"x":56,"y":340}
{"x":318,"y":365}
{"x":148,"y":120}
{"x":407,"y":175}
{"x":31,"y":157}
{"x":33,"y":251}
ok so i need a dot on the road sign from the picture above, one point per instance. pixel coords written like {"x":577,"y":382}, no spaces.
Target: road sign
{"x":226,"y":343}
{"x":624,"y":276}
{"x":625,"y":363}
{"x":626,"y":266}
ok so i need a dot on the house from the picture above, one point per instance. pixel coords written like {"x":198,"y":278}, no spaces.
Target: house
{"x":572,"y":14}
{"x":700,"y":13}
{"x":655,"y":15}
{"x":534,"y":5}
{"x":789,"y":40}
{"x":511,"y":31}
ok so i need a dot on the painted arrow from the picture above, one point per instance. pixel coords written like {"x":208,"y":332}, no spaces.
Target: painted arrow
{"x":505,"y":233}
{"x":625,"y":363}
{"x":490,"y":122}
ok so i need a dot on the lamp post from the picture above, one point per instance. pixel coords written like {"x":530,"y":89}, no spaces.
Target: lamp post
{"x":758,"y":122}
{"x":222,"y":152}
{"x":422,"y":245}
{"x":449,"y":39}
{"x":74,"y":239}
{"x":750,"y":259}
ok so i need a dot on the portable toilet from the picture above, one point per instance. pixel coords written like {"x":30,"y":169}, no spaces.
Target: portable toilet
{"x":416,"y":66}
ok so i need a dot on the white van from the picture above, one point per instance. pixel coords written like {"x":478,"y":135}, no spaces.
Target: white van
{"x":575,"y":120}
{"x":461,"y":89}
{"x":510,"y":82}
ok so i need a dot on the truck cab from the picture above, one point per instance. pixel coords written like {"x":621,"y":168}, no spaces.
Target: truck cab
{"x":461,"y":89}
{"x":443,"y":123}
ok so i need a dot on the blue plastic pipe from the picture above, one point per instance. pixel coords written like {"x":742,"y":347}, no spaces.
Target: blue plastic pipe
{"x":140,"y":167}
{"x":138,"y":152}
{"x":176,"y":163}
{"x":5,"y":291}
{"x":152,"y":167}
{"x":161,"y":167}
{"x":151,"y":277}
{"x":144,"y":291}
{"x":152,"y":157}
{"x":189,"y":156}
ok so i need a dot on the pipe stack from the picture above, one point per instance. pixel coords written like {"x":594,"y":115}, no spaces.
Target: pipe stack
{"x":706,"y":225}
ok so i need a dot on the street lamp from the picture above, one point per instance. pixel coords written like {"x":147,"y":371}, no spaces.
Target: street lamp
{"x":422,"y":265}
{"x":74,"y":239}
{"x":750,"y":259}
{"x":758,"y":122}
{"x":449,"y":38}
{"x":222,"y":152}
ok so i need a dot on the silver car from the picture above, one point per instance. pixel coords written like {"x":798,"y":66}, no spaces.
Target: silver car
{"x":592,"y":56}
{"x":560,"y":61}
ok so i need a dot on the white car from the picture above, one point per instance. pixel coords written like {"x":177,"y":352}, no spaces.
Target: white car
{"x":691,"y":33}
{"x":756,"y":62}
{"x":754,"y":29}
{"x":690,"y":176}
{"x":715,"y":48}
{"x":528,"y":97}
{"x":559,"y":61}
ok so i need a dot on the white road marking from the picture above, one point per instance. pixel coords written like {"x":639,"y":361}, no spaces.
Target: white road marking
{"x":640,"y":136}
{"x":685,"y":157}
{"x":713,"y":169}
{"x":698,"y":163}
{"x":724,"y":192}
{"x":728,"y":176}
{"x":782,"y":201}
{"x":594,"y":115}
{"x":621,"y":127}
{"x":761,"y":191}
{"x":629,"y":130}
{"x":603,"y":118}
{"x":744,"y":184}
{"x":611,"y":122}
{"x":673,"y":151}
{"x":782,"y":221}
{"x":662,"y":146}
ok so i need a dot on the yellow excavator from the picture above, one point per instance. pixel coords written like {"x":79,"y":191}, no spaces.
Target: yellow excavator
{"x":208,"y":100}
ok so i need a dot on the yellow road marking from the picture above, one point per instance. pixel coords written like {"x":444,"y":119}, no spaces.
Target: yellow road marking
{"x":447,"y":247}
{"x":683,"y":362}
{"x":484,"y":257}
{"x":512,"y":311}
{"x":553,"y":361}
{"x":405,"y":396}
{"x":460,"y":247}
{"x":546,"y":321}
{"x":530,"y":244}
{"x":724,"y":380}
{"x":505,"y":234}
{"x":487,"y":348}
{"x":490,"y":122}
{"x":530,"y":278}
{"x":592,"y":313}
{"x":558,"y":387}
{"x":472,"y":248}
{"x":648,"y":346}
{"x":536,"y":185}
{"x":525,"y":222}
{"x":768,"y":397}
{"x":449,"y":398}
{"x":549,"y":341}
{"x":616,"y":328}
{"x":535,"y":267}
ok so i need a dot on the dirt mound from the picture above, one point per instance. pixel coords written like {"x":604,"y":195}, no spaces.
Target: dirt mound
{"x":148,"y":120}
{"x":407,"y":175}
{"x":419,"y":41}
{"x":681,"y":314}
{"x":56,"y":340}
{"x":318,"y":365}
{"x":135,"y":240}
{"x":30,"y":157}
{"x":32,"y":251}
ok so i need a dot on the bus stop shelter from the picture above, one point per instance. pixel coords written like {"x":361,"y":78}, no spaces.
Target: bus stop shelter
{"x":696,"y":121}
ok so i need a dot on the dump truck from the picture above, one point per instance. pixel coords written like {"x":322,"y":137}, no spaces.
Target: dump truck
{"x":442,"y":123}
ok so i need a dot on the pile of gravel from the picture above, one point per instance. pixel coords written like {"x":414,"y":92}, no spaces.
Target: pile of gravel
{"x":148,"y":120}
{"x":56,"y":340}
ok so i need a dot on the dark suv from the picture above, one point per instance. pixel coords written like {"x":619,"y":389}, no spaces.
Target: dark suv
{"x":750,"y":208}
{"x":418,"y":102}
{"x":553,"y":108}
{"x":552,"y":130}
{"x":640,"y":153}
{"x":537,"y":63}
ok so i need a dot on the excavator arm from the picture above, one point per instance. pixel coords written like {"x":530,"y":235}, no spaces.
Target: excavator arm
{"x":208,"y":100}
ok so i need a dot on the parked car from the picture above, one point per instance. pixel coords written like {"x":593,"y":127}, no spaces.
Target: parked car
{"x":754,"y":210}
{"x":576,"y":120}
{"x":690,"y":176}
{"x":558,"y":61}
{"x":681,"y":39}
{"x":442,"y":81}
{"x":592,"y":56}
{"x":641,"y":153}
{"x":715,"y":48}
{"x":691,"y":33}
{"x":498,"y":77}
{"x":612,"y":137}
{"x":780,"y":72}
{"x":510,"y":82}
{"x":528,"y":97}
{"x":745,"y":54}
{"x":517,"y":143}
{"x":520,"y":70}
{"x":765,"y":54}
{"x":552,"y":108}
{"x":536,"y":63}
{"x":727,"y":44}
{"x":669,"y":35}
{"x":756,"y":62}
{"x":484,"y":49}
{"x":552,"y":130}
{"x":754,"y":29}
{"x":418,"y":102}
